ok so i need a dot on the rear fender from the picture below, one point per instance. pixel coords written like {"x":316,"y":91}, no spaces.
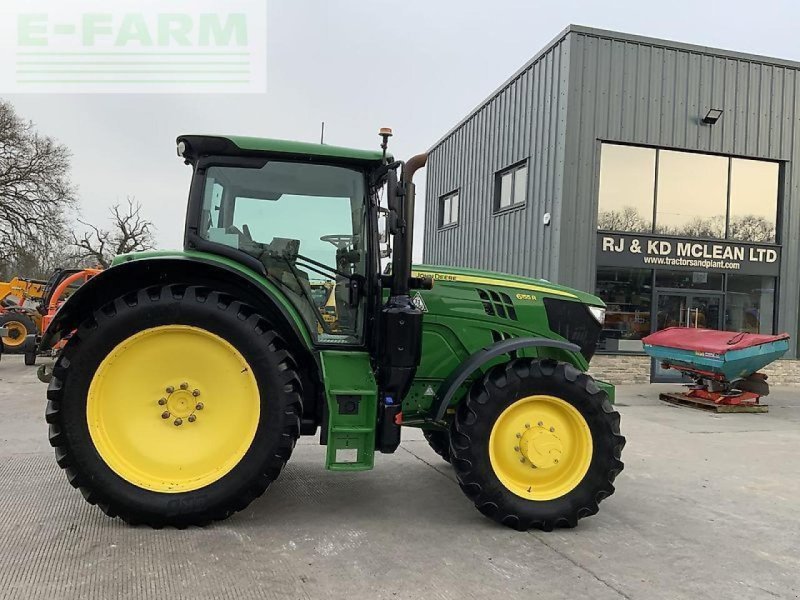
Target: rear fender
{"x":134,"y":275}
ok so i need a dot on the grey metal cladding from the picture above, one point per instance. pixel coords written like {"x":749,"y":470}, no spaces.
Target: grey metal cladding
{"x":588,"y":86}
{"x":635,"y":90}
{"x":525,"y":119}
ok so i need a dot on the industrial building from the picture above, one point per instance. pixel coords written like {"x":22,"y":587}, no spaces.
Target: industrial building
{"x":659,"y":175}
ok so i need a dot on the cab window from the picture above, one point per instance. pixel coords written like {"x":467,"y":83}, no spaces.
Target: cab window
{"x":306,"y":224}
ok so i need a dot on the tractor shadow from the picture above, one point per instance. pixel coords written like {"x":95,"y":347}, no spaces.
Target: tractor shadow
{"x":401,"y":487}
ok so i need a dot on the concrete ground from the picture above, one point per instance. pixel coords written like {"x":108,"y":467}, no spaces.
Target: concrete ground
{"x":707,"y":507}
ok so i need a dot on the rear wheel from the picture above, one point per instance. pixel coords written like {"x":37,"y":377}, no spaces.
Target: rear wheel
{"x":19,"y":325}
{"x":439,"y":441}
{"x":536,"y":444}
{"x":174,"y":406}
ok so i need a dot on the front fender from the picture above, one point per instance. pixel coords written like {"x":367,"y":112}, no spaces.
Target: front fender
{"x":455,"y":380}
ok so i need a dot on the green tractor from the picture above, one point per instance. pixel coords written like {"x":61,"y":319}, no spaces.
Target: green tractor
{"x":188,"y":376}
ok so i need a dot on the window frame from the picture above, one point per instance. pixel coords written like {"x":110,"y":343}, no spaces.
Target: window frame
{"x":456,"y":193}
{"x":513,"y":169}
{"x":779,"y":201}
{"x":193,"y":240}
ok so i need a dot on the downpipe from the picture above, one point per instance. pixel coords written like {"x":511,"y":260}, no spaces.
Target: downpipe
{"x":400,"y":346}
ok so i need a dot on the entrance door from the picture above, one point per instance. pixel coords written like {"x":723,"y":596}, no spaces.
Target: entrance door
{"x":683,"y":309}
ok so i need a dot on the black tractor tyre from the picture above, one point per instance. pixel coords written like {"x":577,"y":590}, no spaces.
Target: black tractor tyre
{"x":439,"y":441}
{"x":475,"y":417}
{"x":273,"y":367}
{"x":26,"y":322}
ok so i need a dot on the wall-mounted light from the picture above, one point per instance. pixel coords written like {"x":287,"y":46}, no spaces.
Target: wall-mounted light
{"x":712,"y":116}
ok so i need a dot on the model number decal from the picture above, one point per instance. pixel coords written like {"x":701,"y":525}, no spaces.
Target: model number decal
{"x":526,"y":297}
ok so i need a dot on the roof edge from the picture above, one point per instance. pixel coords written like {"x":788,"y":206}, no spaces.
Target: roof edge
{"x":620,"y":36}
{"x":674,"y":45}
{"x":536,"y":58}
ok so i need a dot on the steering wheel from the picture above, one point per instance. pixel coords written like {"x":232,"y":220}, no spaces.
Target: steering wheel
{"x":339,"y":240}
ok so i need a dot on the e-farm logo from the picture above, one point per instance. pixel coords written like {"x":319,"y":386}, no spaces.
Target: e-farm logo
{"x":125,"y":46}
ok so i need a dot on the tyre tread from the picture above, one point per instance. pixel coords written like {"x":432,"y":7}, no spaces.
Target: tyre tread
{"x":287,"y":439}
{"x":503,"y":381}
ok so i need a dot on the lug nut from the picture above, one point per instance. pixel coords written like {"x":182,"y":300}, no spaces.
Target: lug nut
{"x":195,"y":393}
{"x":165,"y":414}
{"x":552,"y":429}
{"x":522,"y":460}
{"x":527,"y":425}
{"x":555,"y":461}
{"x":540,"y":424}
{"x":198,"y":406}
{"x":170,"y":389}
{"x":184,"y":386}
{"x":516,"y":448}
{"x":519,"y":435}
{"x":178,"y":421}
{"x":192,"y":418}
{"x":162,"y":401}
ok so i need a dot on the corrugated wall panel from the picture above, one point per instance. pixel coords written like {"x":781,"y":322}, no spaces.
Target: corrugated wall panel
{"x":526,"y":119}
{"x":591,"y":85}
{"x":634,"y":90}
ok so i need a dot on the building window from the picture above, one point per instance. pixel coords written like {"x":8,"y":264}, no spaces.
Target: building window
{"x":448,"y":210}
{"x":754,"y":200}
{"x":511,"y":187}
{"x":690,"y":280}
{"x":628,"y":294}
{"x":691,"y":195}
{"x":750,"y":304}
{"x":627,"y":188}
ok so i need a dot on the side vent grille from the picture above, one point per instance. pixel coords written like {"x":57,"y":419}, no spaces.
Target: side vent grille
{"x":497,"y":304}
{"x":499,"y":336}
{"x":487,"y":303}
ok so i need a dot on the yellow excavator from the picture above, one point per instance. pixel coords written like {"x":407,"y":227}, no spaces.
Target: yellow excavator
{"x":18,"y":314}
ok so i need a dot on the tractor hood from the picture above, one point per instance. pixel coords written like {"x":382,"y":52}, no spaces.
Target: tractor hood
{"x":503,"y":280}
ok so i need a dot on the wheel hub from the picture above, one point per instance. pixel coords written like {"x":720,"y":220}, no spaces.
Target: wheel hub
{"x":145,"y":408}
{"x":180,"y":403}
{"x":541,"y":446}
{"x":16,"y":333}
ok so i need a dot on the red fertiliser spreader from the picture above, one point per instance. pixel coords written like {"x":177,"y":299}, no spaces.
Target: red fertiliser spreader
{"x":722,"y":365}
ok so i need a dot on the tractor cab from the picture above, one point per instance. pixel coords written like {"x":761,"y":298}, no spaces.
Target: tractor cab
{"x":297,"y":223}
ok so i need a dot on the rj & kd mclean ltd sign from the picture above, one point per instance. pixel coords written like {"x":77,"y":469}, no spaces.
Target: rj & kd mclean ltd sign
{"x":632,"y":251}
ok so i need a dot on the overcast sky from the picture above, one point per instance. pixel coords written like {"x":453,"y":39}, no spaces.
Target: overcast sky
{"x":417,"y":66}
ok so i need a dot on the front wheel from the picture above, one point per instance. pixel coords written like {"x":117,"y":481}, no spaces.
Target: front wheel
{"x":173,"y":406}
{"x":19,"y":326}
{"x":536,"y":444}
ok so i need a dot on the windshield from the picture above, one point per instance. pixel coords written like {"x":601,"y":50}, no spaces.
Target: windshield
{"x":306,"y":224}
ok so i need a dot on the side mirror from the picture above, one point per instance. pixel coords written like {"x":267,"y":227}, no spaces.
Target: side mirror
{"x":394,"y":201}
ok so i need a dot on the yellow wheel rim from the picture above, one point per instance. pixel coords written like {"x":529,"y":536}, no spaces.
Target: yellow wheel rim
{"x":173,"y":408}
{"x":540,"y":447}
{"x":16,"y":334}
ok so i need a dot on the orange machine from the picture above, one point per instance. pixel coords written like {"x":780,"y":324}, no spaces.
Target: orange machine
{"x":59,"y":289}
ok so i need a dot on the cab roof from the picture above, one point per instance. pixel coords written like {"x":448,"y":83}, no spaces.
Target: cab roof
{"x":200,"y":145}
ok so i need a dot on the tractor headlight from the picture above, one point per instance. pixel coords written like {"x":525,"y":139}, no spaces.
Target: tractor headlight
{"x":598,"y":313}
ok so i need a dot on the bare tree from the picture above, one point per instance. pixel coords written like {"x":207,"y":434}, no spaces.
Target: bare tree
{"x":752,"y":228}
{"x":129,"y":232}
{"x":627,"y":219}
{"x":37,"y":258}
{"x":35,"y":189}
